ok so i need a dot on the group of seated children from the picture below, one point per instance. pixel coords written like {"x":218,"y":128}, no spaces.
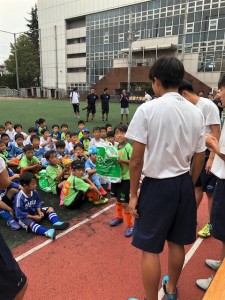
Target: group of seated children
{"x":70,"y":162}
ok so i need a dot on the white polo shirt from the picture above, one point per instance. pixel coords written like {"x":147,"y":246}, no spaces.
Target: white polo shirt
{"x":210,"y":113}
{"x":172,"y":130}
{"x":218,"y":166}
{"x":75,"y":97}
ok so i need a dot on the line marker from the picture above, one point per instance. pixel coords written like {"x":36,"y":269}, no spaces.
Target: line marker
{"x":31,"y":251}
{"x":188,"y":256}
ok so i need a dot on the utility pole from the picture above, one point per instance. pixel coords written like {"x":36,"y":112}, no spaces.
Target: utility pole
{"x":16,"y":60}
{"x":130,"y":40}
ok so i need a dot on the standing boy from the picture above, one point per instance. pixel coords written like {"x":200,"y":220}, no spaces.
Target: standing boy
{"x":74,"y":99}
{"x":124,"y":104}
{"x":91,"y":101}
{"x":166,"y":207}
{"x":105,"y":97}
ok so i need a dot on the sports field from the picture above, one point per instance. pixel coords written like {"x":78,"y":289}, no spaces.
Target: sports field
{"x":25,"y":112}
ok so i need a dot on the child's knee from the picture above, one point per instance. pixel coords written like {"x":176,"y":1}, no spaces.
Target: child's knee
{"x":50,"y":209}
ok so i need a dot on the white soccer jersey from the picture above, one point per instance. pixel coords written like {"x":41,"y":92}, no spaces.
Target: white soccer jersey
{"x":218,"y":166}
{"x":172,"y":130}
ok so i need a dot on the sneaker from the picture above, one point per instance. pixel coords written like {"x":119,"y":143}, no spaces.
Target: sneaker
{"x":205,"y":231}
{"x":102,"y":191}
{"x":168,"y":296}
{"x":13,"y":224}
{"x":204,"y":283}
{"x":102,"y":200}
{"x":116,"y":221}
{"x":129,"y":231}
{"x":50,"y":233}
{"x":213,"y":264}
{"x":103,"y":120}
{"x":61,"y":225}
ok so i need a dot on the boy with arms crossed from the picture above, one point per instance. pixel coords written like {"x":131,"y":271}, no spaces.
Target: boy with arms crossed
{"x":166,"y":207}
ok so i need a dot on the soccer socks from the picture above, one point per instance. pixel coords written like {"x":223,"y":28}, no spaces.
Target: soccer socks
{"x":5,"y":215}
{"x":53,"y":218}
{"x":119,"y":210}
{"x":128,"y":218}
{"x":38,"y":229}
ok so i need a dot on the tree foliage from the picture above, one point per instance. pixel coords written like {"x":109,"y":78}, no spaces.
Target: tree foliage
{"x":28,"y":55}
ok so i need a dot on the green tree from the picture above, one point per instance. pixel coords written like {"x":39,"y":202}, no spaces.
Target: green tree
{"x":28,"y":61}
{"x":33,"y":32}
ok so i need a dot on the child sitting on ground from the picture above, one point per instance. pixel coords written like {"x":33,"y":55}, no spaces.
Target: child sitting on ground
{"x":96,"y":140}
{"x":46,"y":141}
{"x":31,"y":132}
{"x":18,"y":145}
{"x":79,"y":153}
{"x":81,"y":126}
{"x":2,"y":130}
{"x":28,"y":209}
{"x":54,"y":172}
{"x":85,"y":140}
{"x":73,"y":141}
{"x":10,"y":130}
{"x":60,"y":149}
{"x":103,"y":133}
{"x":121,"y":190}
{"x":9,"y":145}
{"x":64,"y":130}
{"x":76,"y":186}
{"x":29,"y":162}
{"x":38,"y":150}
{"x":5,"y":155}
{"x":55,"y":134}
{"x":18,"y":129}
{"x":90,"y":168}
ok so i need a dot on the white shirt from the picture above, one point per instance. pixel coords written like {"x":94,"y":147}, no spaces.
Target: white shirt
{"x":11,"y":134}
{"x":210,"y":113}
{"x":50,"y":146}
{"x":147,"y":98}
{"x":94,"y":143}
{"x":172,"y":130}
{"x":75,"y":97}
{"x":218,"y":166}
{"x":2,"y":165}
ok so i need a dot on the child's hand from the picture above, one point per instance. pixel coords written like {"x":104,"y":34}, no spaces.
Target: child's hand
{"x":41,"y":214}
{"x":37,"y":218}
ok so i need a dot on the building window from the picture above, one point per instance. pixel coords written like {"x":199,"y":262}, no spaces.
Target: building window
{"x":121,"y":37}
{"x":168,"y":30}
{"x":106,"y":39}
{"x":213,"y":24}
{"x":190,"y":28}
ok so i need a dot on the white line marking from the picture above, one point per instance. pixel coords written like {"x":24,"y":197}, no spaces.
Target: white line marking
{"x":31,"y":251}
{"x":188,"y":256}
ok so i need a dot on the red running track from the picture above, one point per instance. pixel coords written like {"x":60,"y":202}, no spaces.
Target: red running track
{"x":96,"y":261}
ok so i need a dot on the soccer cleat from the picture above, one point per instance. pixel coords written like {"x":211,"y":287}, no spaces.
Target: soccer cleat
{"x":102,"y":191}
{"x":116,"y":221}
{"x":129,"y":231}
{"x":13,"y":224}
{"x":204,"y":283}
{"x":205,"y":231}
{"x":213,"y":264}
{"x":101,"y":200}
{"x":61,"y":225}
{"x":50,"y":233}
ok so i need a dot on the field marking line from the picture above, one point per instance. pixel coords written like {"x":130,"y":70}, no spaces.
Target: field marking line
{"x":188,"y":256}
{"x":31,"y":251}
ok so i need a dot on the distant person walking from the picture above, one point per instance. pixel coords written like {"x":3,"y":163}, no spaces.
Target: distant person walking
{"x":147,"y":96}
{"x":105,"y":97}
{"x":124,"y":103}
{"x":74,"y":99}
{"x":91,"y":104}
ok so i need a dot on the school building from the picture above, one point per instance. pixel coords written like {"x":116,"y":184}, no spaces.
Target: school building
{"x":86,"y":42}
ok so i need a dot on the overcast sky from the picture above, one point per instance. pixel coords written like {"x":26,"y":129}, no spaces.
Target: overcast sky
{"x":12,"y":19}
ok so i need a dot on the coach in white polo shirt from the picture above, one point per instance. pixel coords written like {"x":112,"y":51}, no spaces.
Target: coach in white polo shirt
{"x":74,"y":98}
{"x":166,"y":132}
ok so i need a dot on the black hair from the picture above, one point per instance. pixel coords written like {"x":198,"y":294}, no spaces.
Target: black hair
{"x":79,"y":145}
{"x":26,"y":178}
{"x":49,"y":153}
{"x":8,"y":122}
{"x":81,"y":122}
{"x":77,"y":164}
{"x":64,"y":125}
{"x":55,"y":125}
{"x":17,"y":125}
{"x":73,"y":134}
{"x":221,"y":82}
{"x":44,"y":130}
{"x":185,"y":86}
{"x":41,"y":121}
{"x":4,"y":135}
{"x":60,"y":144}
{"x":19,"y":136}
{"x":110,"y":134}
{"x":108,"y":125}
{"x":121,"y":127}
{"x":67,"y":133}
{"x":2,"y":127}
{"x":169,"y":70}
{"x":96,"y":128}
{"x":28,"y":148}
{"x":34,"y":137}
{"x":31,"y":129}
{"x":102,"y":127}
{"x":105,"y":89}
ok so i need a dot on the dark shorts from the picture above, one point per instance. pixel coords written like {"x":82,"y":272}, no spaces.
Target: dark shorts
{"x":78,"y":201}
{"x":12,"y":279}
{"x":206,"y":181}
{"x":217,"y":219}
{"x":167,"y":211}
{"x":25,"y":222}
{"x":121,"y":191}
{"x":76,"y":107}
{"x":105,"y":108}
{"x":91,"y":109}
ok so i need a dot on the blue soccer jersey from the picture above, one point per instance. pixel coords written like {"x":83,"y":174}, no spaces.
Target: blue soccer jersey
{"x":39,"y":153}
{"x":24,"y":205}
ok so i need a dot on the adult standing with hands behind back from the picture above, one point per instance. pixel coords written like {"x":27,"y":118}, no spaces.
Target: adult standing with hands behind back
{"x":13,"y":282}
